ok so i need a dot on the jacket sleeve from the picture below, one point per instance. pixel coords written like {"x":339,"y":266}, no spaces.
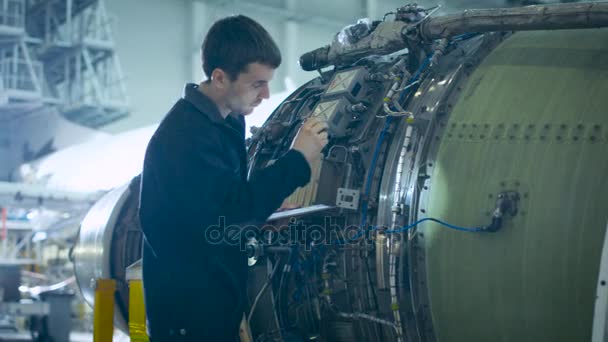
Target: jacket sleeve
{"x":208,"y":191}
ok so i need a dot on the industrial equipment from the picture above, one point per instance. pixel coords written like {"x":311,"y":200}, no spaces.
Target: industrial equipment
{"x":466,"y":175}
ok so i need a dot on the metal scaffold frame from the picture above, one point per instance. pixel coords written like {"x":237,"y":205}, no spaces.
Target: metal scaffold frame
{"x":61,"y":52}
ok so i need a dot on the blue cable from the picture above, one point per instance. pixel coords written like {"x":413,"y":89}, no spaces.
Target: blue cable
{"x":465,"y":36}
{"x":405,"y":228}
{"x":368,"y":182}
{"x":463,"y":229}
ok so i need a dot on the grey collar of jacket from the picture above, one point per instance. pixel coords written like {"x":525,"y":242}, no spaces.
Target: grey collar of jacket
{"x":203,"y":103}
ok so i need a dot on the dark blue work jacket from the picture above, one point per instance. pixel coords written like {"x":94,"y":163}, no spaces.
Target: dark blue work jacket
{"x":194,"y":178}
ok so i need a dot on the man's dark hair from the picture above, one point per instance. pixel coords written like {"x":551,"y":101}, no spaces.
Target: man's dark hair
{"x":234,"y":42}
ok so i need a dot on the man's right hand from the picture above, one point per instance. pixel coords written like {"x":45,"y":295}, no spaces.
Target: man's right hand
{"x":311,"y":139}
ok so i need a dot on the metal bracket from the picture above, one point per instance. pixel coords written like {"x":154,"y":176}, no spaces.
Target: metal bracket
{"x":348,"y":198}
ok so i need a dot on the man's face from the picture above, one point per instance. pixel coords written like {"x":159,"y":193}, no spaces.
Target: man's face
{"x":249,"y":89}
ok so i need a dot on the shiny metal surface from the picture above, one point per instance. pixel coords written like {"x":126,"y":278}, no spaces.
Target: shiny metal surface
{"x":92,"y":251}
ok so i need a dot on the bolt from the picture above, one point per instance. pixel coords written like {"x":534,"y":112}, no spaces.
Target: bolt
{"x":422,"y":211}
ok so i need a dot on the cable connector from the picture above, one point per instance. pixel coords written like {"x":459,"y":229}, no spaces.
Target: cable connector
{"x":506,"y":204}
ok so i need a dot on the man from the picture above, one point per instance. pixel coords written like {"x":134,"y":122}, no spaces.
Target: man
{"x":195,"y":176}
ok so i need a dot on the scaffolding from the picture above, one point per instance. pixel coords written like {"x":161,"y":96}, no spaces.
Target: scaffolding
{"x":61,"y":53}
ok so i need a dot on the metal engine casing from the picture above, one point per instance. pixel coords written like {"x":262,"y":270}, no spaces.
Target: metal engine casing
{"x":522,"y":112}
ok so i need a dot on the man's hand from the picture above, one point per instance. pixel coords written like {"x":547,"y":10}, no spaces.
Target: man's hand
{"x":311,"y":139}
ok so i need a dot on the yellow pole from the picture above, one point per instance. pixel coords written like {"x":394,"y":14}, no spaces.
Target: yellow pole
{"x":103,"y":314}
{"x":137,"y":312}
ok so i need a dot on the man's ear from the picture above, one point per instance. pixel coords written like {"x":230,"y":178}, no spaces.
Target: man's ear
{"x":219,"y":78}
